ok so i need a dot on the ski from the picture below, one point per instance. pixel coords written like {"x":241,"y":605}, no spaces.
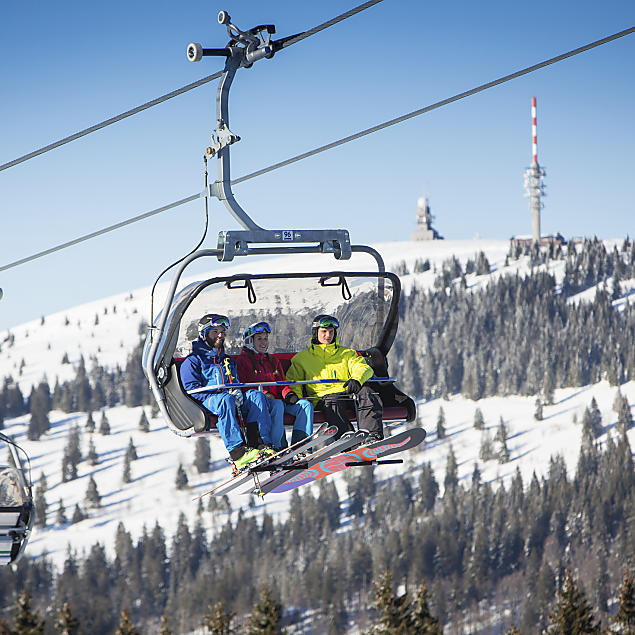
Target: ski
{"x":364,"y":455}
{"x":341,"y":445}
{"x":273,"y":462}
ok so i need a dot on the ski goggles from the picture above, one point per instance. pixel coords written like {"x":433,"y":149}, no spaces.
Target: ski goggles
{"x":324,"y":321}
{"x":253,"y":329}
{"x":213,"y":319}
{"x":261,"y":327}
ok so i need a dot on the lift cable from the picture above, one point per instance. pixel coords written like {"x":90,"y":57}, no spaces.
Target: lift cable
{"x":391,"y":122}
{"x":108,"y":122}
{"x":325,"y":25}
{"x":438,"y":104}
{"x":280,"y":44}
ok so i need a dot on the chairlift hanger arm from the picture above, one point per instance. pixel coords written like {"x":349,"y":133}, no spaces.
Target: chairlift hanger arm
{"x":243,"y":49}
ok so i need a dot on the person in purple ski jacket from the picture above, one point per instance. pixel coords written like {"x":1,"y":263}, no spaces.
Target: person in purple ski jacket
{"x":209,"y":365}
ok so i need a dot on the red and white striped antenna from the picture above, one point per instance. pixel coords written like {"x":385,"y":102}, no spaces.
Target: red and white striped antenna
{"x":534,"y":180}
{"x":534,"y":137}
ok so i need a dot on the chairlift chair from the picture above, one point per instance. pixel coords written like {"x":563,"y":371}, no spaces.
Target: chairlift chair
{"x":16,"y":507}
{"x":350,"y":295}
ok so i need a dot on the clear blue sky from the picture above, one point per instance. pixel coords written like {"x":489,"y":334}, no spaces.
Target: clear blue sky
{"x":65,"y":66}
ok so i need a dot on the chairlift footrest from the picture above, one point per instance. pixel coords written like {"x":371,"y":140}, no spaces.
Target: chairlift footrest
{"x":269,"y":468}
{"x":374,"y":462}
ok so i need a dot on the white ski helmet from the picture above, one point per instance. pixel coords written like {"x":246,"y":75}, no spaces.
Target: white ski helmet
{"x":251,"y":330}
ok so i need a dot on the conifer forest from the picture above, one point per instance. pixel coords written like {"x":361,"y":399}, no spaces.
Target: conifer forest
{"x":413,"y":553}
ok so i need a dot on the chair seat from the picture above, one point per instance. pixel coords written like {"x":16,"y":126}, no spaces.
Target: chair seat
{"x":393,"y":413}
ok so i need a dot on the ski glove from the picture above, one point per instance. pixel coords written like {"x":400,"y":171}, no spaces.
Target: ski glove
{"x":237,"y":395}
{"x":352,"y":386}
{"x":291,"y":398}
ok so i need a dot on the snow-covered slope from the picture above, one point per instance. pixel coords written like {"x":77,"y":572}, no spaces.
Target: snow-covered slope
{"x":108,"y":329}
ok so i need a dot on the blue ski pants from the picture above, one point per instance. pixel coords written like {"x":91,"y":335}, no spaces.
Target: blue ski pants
{"x":302,"y":410}
{"x":254,"y":409}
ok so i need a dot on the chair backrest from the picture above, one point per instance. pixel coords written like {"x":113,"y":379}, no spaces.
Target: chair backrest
{"x":10,"y":528}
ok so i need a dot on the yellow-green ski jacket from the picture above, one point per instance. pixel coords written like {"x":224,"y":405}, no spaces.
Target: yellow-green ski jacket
{"x":330,"y":361}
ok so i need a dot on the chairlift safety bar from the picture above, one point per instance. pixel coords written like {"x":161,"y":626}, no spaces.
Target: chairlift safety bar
{"x":304,"y":382}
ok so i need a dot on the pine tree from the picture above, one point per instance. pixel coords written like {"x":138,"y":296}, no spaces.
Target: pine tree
{"x":40,"y":406}
{"x":126,"y":477}
{"x":218,"y":620}
{"x":441,"y":424}
{"x":81,"y":388}
{"x":624,"y":618}
{"x":144,"y":424}
{"x":154,"y":411}
{"x":92,"y":457}
{"x":394,"y":615}
{"x":624,"y":417}
{"x":93,"y":498}
{"x":126,"y":627}
{"x":422,"y":621}
{"x":451,"y":479}
{"x":572,"y":613}
{"x":617,"y":401}
{"x":428,"y":488}
{"x":538,"y":416}
{"x":104,"y":425}
{"x":135,"y":384}
{"x":479,"y":421}
{"x":40,"y":502}
{"x":202,"y":455}
{"x":27,"y":621}
{"x":131,"y":452}
{"x":66,"y":623}
{"x":266,"y":616}
{"x":476,"y":477}
{"x":548,"y":384}
{"x":486,"y":451}
{"x":72,"y":456}
{"x":61,"y":515}
{"x":502,"y":453}
{"x":181,"y":478}
{"x":78,"y":515}
{"x":90,"y":422}
{"x":595,"y":418}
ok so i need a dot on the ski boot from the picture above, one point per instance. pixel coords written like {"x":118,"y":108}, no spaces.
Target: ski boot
{"x":249,"y":456}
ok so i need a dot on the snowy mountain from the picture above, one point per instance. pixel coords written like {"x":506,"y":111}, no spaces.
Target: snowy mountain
{"x":108,"y":330}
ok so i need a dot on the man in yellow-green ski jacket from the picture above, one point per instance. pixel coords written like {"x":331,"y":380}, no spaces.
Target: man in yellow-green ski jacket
{"x":326,"y":359}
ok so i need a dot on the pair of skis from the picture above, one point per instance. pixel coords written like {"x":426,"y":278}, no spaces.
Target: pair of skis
{"x":348,"y":451}
{"x":339,"y":456}
{"x":275,"y":462}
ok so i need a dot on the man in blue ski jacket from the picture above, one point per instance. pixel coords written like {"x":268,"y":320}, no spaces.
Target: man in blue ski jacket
{"x":209,"y":365}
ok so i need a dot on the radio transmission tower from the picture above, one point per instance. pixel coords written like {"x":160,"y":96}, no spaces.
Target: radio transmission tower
{"x":534,"y":180}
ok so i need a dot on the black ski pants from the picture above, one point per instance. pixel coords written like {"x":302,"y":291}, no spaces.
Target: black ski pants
{"x":337,"y":406}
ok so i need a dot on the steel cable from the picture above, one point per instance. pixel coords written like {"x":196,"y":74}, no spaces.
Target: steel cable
{"x":299,"y":157}
{"x":285,"y":43}
{"x":108,"y":122}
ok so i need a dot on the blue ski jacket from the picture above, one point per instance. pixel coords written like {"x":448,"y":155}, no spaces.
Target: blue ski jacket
{"x":207,"y":366}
